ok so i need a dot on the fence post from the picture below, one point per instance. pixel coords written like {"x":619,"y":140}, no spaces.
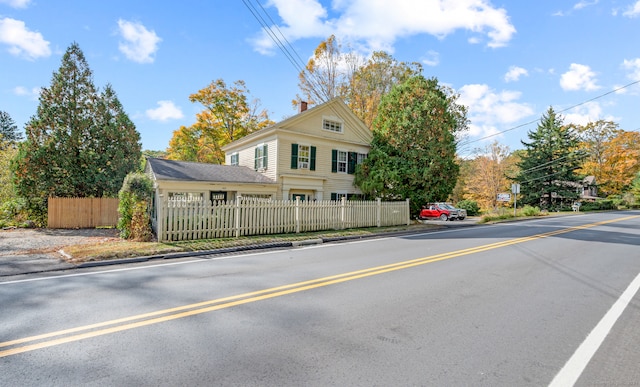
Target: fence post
{"x":379,"y":212}
{"x":160,"y":218}
{"x":408,"y":213}
{"x":238,"y":217}
{"x":297,"y":214}
{"x":343,"y":212}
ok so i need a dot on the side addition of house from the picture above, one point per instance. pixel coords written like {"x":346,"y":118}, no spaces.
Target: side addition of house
{"x":310,"y":156}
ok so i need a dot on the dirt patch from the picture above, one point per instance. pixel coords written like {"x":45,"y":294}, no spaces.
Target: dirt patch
{"x":49,"y":241}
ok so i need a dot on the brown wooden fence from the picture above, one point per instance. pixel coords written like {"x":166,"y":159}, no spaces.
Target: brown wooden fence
{"x":82,"y":212}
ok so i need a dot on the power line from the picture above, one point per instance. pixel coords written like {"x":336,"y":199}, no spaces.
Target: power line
{"x":560,"y":111}
{"x":313,"y":80}
{"x":287,"y":49}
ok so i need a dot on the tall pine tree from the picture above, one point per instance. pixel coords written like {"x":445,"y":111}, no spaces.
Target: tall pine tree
{"x":9,"y":134}
{"x":547,"y":174}
{"x":80,"y":143}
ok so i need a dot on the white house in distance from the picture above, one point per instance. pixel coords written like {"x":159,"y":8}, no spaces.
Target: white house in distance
{"x":310,"y":156}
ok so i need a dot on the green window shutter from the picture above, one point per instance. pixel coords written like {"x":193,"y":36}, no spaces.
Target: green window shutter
{"x":255,"y":159}
{"x":294,"y":156}
{"x":265,"y":150}
{"x":312,"y":162}
{"x":334,"y":196}
{"x":334,"y":160}
{"x":351,"y":165}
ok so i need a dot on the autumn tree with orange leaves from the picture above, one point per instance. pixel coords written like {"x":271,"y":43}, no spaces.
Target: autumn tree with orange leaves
{"x":488,"y":175}
{"x":612,"y":156}
{"x":227,"y":116}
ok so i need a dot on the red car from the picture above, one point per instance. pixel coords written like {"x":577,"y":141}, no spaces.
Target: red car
{"x":434,"y":210}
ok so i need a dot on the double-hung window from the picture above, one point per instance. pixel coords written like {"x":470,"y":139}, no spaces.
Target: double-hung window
{"x":234,"y":159}
{"x":342,"y":162}
{"x":303,"y":157}
{"x":260,"y":161}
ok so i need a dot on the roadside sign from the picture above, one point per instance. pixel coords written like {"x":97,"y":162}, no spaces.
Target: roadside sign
{"x":515,"y":188}
{"x":504,"y":197}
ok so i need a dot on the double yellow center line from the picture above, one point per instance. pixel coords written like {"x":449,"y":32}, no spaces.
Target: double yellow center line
{"x":118,"y":325}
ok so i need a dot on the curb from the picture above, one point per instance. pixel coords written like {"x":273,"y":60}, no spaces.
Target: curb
{"x":185,"y":254}
{"x":225,"y":250}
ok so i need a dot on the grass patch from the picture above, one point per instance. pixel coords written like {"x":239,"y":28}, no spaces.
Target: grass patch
{"x":114,"y":248}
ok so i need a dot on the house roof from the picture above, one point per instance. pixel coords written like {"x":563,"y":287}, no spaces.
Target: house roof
{"x":163,"y":169}
{"x":335,"y":105}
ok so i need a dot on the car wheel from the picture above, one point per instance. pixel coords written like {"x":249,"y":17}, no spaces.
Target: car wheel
{"x":444,"y":217}
{"x":461,"y":218}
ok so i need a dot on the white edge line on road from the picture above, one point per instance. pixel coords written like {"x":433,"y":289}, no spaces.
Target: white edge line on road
{"x":574,"y":367}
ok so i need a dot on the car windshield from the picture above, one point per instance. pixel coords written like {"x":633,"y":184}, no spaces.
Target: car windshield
{"x":449,"y":206}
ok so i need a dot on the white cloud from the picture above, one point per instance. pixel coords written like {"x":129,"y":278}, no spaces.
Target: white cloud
{"x":633,"y":66}
{"x":515,"y":73}
{"x":632,"y":10}
{"x":588,"y":112}
{"x":579,"y":77}
{"x":22,"y":91}
{"x":376,"y":25}
{"x":22,"y":42}
{"x":16,"y":3}
{"x":166,"y":111}
{"x":584,"y":4}
{"x":432,"y":58}
{"x":139,"y":43}
{"x":487,"y":108}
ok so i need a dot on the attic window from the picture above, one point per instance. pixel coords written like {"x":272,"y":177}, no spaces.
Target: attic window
{"x":333,"y":126}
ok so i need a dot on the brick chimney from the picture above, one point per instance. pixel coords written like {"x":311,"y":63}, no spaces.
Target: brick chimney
{"x":302,"y":107}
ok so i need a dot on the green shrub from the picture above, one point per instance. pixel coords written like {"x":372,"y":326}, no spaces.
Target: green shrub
{"x":21,"y":212}
{"x":471,"y":206}
{"x":530,"y":211}
{"x":135,"y":199}
{"x":599,"y":205}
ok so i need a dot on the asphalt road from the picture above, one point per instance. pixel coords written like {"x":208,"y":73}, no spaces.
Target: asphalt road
{"x":526,"y":303}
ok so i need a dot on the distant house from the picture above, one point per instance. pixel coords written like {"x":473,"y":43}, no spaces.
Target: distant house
{"x":589,"y":189}
{"x":310,"y":156}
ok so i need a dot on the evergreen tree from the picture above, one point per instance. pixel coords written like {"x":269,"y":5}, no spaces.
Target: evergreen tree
{"x":116,"y":146}
{"x":414,"y":145}
{"x":79,"y":143}
{"x":547,"y":174}
{"x":9,"y":134}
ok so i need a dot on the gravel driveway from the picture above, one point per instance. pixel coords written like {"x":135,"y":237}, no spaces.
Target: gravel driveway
{"x":34,"y":250}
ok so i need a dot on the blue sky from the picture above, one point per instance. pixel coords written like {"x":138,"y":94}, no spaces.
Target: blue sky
{"x":509,"y":60}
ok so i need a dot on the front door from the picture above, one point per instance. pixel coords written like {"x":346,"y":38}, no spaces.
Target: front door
{"x":302,"y":197}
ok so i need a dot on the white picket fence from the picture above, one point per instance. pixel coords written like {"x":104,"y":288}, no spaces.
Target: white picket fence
{"x":192,"y":220}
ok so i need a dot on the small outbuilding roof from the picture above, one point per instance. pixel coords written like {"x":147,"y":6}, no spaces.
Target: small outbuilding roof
{"x":163,"y":169}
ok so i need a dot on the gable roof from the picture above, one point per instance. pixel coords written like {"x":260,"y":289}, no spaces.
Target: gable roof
{"x":163,"y":169}
{"x":335,"y":106}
